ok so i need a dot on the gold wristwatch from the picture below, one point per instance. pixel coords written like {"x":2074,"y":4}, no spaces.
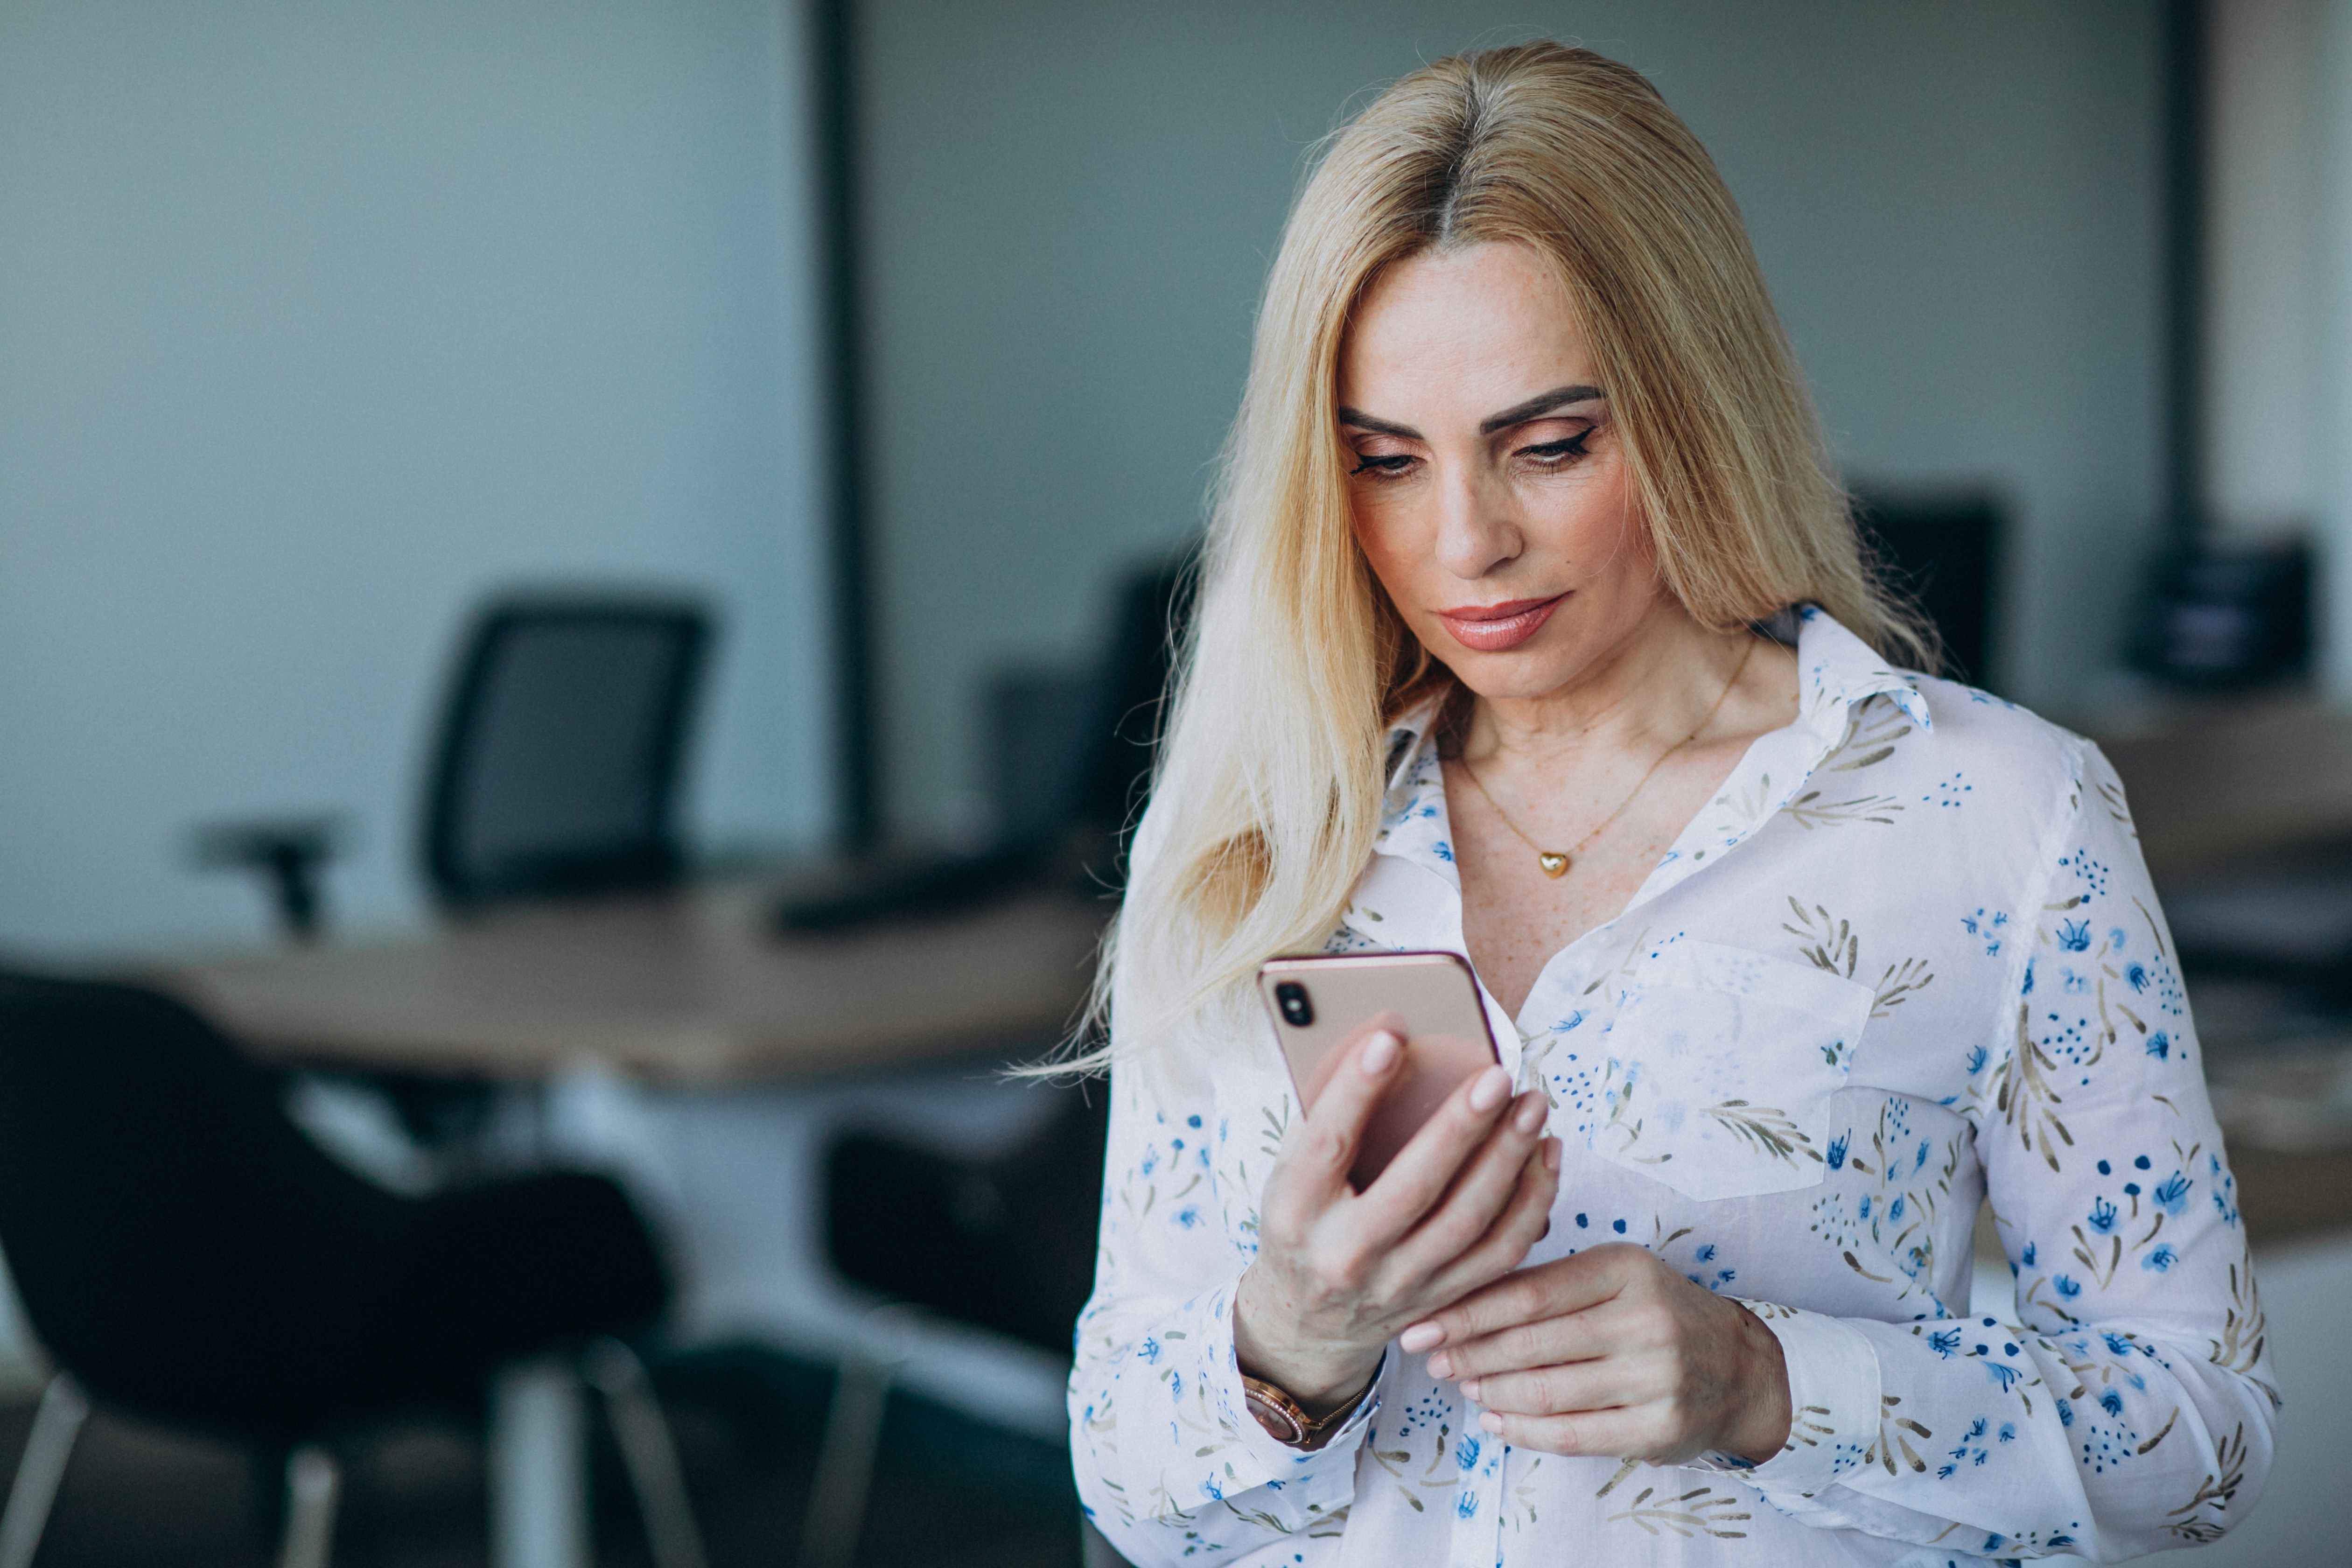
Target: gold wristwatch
{"x":1283,"y":1418}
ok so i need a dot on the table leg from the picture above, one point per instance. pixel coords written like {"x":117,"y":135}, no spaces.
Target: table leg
{"x":539,"y":1471}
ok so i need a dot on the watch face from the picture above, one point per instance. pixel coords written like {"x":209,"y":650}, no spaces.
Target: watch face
{"x":1274,"y":1412}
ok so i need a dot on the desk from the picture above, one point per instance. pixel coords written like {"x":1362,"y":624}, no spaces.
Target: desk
{"x":686,"y":988}
{"x":2224,"y":780}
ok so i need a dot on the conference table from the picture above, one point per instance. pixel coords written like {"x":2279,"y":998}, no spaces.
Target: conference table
{"x":690,"y":987}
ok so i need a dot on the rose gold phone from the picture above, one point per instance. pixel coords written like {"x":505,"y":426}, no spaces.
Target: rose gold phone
{"x":1317,"y":1002}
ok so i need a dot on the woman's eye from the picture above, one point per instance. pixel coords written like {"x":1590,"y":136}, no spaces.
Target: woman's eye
{"x":1558,"y":452}
{"x":1395,"y":463}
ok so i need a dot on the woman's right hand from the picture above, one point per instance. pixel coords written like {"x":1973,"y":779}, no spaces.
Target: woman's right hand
{"x":1339,"y":1272}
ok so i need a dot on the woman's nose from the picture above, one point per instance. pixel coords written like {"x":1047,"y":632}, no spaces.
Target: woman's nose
{"x":1476,"y":532}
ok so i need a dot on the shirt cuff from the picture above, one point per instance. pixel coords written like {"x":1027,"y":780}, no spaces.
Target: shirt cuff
{"x":1216,"y":1452}
{"x":1314,"y":1480}
{"x":1835,"y":1401}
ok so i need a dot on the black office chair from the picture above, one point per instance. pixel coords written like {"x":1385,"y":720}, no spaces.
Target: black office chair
{"x":1076,"y":800}
{"x":186,"y":1254}
{"x":1945,"y":551}
{"x":558,"y":765}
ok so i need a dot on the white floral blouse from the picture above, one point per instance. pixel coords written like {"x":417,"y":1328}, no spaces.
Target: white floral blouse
{"x":1909,"y":955}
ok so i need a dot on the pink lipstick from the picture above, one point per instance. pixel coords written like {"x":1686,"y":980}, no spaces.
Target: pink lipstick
{"x":1493,"y":628}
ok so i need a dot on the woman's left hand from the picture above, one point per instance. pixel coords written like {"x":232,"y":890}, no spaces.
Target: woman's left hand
{"x":1610,"y":1352}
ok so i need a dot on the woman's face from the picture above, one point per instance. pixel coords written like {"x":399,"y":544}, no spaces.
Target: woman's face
{"x":1488,"y":485}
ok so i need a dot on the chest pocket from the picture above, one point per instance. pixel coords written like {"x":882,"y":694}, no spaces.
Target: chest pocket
{"x":1721,"y":1066}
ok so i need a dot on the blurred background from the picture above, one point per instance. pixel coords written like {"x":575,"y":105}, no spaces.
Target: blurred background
{"x":886,"y":347}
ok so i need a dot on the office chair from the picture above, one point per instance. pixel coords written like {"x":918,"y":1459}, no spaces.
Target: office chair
{"x":559,"y":753}
{"x":186,"y":1254}
{"x":1075,"y":801}
{"x":1005,"y":1244}
{"x":1945,"y":551}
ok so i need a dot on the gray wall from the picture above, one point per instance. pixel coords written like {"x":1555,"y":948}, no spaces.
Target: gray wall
{"x":1072,"y":205}
{"x":316,"y":321}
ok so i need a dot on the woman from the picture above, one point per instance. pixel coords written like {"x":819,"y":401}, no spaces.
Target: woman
{"x":1533,"y":627}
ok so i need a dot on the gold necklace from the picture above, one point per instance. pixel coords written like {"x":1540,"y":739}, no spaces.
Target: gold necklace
{"x":1556,"y":862}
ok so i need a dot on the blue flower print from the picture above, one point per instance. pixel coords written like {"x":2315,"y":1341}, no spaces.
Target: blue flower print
{"x":1467,"y":1505}
{"x":2162,"y":1258}
{"x":2000,"y":1374}
{"x":1990,"y":929}
{"x":2171,"y":1195}
{"x":2074,"y":936}
{"x":2026,"y":1258}
{"x":2066,"y":1413}
{"x":2136,"y":976}
{"x":2112,"y":1402}
{"x":2070,"y":1289}
{"x":2103,"y":1217}
{"x":1188,"y":1217}
{"x":1977,"y":1056}
{"x":1466,"y":1453}
{"x":1837,"y":1150}
{"x":1943,"y":1342}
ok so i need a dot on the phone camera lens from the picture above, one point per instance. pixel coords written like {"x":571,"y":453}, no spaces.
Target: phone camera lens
{"x":1296,"y":1010}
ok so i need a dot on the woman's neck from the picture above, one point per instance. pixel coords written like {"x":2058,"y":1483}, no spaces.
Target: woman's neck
{"x":1651,"y":688}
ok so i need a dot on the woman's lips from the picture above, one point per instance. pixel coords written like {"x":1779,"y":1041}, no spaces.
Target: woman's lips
{"x":1492,"y":628}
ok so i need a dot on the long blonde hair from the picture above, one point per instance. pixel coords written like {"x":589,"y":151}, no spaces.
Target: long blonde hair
{"x":1269,"y":793}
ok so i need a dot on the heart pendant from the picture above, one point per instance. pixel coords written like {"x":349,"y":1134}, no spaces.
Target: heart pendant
{"x":1552,"y":861}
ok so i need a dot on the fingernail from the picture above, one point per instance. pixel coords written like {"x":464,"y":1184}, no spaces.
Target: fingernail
{"x":1441,"y":1366}
{"x":1380,"y":1054}
{"x":1531,"y":1114}
{"x":1551,"y":1155}
{"x":1469,"y":1388}
{"x":1421,"y":1337}
{"x":1490,"y":1421}
{"x":1493,"y":1087}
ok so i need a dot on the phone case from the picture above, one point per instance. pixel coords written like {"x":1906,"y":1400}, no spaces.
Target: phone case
{"x":1446,"y":1035}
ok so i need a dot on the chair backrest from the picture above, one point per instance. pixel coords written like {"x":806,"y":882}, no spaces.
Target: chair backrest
{"x":1947,"y":552}
{"x":558,"y":767}
{"x":158,"y":1209}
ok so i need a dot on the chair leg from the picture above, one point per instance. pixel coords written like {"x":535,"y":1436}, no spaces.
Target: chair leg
{"x":47,"y":1449}
{"x":649,"y":1453}
{"x":844,"y":1466}
{"x":539,"y":1467}
{"x":313,"y":1487}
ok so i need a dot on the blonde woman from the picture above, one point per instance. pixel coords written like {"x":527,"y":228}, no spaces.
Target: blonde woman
{"x":1533,"y":628}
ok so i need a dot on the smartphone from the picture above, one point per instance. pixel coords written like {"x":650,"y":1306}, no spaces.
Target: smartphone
{"x":1317,"y":1002}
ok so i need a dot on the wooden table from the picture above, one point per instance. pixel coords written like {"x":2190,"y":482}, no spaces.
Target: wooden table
{"x":689,"y":987}
{"x":2220,"y":782}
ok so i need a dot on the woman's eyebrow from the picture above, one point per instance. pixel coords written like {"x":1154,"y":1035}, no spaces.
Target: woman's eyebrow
{"x":1355,"y":418}
{"x":1536,"y":406}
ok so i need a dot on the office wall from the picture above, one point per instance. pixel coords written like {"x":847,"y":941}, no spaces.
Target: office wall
{"x":1072,"y":205}
{"x":2278,"y":313}
{"x":318,"y":321}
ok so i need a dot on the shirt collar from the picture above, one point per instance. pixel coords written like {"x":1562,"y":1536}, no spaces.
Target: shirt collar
{"x":1836,"y":672}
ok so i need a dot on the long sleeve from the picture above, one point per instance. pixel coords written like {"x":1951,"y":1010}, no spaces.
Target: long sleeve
{"x":1169,"y":1463}
{"x":2137,"y":1411}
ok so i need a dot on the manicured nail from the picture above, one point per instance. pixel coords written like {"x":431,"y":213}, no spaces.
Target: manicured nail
{"x":1531,"y":1114}
{"x":1441,"y":1366}
{"x":1489,"y":1420}
{"x":1493,"y":1087}
{"x":1380,"y":1054}
{"x":1421,"y":1337}
{"x":1469,"y":1388}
